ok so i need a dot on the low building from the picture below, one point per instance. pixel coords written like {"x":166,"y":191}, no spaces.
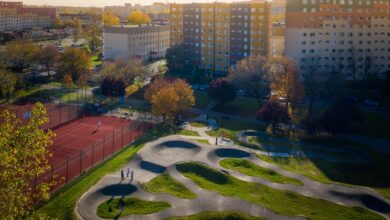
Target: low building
{"x":16,"y":17}
{"x":85,"y":19}
{"x":135,"y":41}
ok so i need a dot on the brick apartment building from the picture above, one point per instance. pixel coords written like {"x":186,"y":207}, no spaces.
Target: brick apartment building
{"x":218,"y":35}
{"x":16,"y":17}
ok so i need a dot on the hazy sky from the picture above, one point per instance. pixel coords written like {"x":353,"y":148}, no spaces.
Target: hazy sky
{"x":102,"y":3}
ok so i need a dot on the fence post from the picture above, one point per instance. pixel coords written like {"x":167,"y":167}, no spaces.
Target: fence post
{"x":130,"y":130}
{"x":67,"y":169}
{"x":93,"y":153}
{"x":113,"y":141}
{"x":52,"y":174}
{"x":81,"y":160}
{"x":122,"y":136}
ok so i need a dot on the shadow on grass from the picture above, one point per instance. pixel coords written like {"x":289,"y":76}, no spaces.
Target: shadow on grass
{"x":202,"y":171}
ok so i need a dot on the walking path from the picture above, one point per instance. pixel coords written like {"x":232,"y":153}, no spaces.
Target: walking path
{"x":162,"y":156}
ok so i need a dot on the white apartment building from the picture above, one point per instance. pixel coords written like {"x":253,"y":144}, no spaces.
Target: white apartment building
{"x":347,"y":36}
{"x":135,"y":41}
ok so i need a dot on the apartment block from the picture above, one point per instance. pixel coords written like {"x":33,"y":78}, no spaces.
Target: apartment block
{"x":16,"y":17}
{"x":135,"y":41}
{"x":218,"y":35}
{"x":85,"y":19}
{"x":351,"y":37}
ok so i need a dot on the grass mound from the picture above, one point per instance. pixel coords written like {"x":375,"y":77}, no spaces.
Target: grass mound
{"x":167,"y":184}
{"x":213,"y":215}
{"x":198,"y":124}
{"x":111,"y":207}
{"x":252,"y":169}
{"x":283,"y":202}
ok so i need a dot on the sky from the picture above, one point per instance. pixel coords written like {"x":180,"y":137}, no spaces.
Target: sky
{"x":102,"y":3}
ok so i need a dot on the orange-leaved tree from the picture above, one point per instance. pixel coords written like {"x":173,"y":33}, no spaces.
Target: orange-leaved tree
{"x":138,"y":17}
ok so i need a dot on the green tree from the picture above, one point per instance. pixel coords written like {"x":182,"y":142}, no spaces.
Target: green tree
{"x":94,"y":38}
{"x":8,"y":81}
{"x":129,"y":70}
{"x":19,"y":53}
{"x":48,"y":57}
{"x":176,"y":57}
{"x":23,"y":157}
{"x":74,"y":61}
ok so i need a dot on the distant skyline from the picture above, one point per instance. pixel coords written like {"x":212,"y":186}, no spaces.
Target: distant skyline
{"x":102,"y":3}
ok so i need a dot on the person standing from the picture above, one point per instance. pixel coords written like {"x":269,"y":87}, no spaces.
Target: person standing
{"x":99,"y":124}
{"x":122,"y":174}
{"x":128,"y":172}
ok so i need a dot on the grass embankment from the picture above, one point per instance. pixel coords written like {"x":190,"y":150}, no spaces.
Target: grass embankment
{"x":187,"y":133}
{"x":62,"y":205}
{"x":212,"y":215}
{"x":283,"y":202}
{"x":374,"y":124}
{"x":166,"y":184}
{"x":131,"y":206}
{"x":251,"y":169}
{"x":202,"y":141}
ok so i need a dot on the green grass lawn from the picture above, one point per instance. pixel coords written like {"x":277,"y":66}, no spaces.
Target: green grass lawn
{"x":229,"y":128}
{"x":241,"y":106}
{"x":213,"y":215}
{"x":187,"y":132}
{"x":202,"y":141}
{"x":131,"y":206}
{"x":198,"y":124}
{"x":251,"y":169}
{"x":201,"y":99}
{"x":374,"y":124}
{"x":95,"y":60}
{"x":164,"y":183}
{"x":283,"y":202}
{"x":373,"y":175}
{"x":62,"y":204}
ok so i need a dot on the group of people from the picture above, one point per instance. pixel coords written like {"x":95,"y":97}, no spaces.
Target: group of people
{"x":129,"y":173}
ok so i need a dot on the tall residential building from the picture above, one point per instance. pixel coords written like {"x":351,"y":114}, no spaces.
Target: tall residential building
{"x":135,"y":41}
{"x":218,"y":35}
{"x":351,"y":37}
{"x":16,"y":17}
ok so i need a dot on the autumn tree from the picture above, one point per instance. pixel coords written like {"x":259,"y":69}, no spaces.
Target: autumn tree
{"x":155,"y":87}
{"x":165,"y":103}
{"x":7,"y":83}
{"x":185,"y":94}
{"x":221,"y":91}
{"x":273,"y":112}
{"x":48,"y":57}
{"x":78,"y":30}
{"x":138,"y":17}
{"x":74,"y":61}
{"x":251,"y":75}
{"x":129,"y":70}
{"x":24,"y":156}
{"x":182,"y":97}
{"x":109,"y":19}
{"x":285,"y":81}
{"x":19,"y":53}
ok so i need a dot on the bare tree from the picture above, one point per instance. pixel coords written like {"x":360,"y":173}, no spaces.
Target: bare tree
{"x":251,"y":74}
{"x":129,"y":70}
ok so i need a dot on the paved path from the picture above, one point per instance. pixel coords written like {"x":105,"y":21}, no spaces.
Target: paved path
{"x":162,"y":155}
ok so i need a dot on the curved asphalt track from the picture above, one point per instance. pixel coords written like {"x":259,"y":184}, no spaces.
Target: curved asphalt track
{"x":162,"y":155}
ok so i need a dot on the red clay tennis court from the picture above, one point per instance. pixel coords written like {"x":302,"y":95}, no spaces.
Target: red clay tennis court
{"x":81,"y":144}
